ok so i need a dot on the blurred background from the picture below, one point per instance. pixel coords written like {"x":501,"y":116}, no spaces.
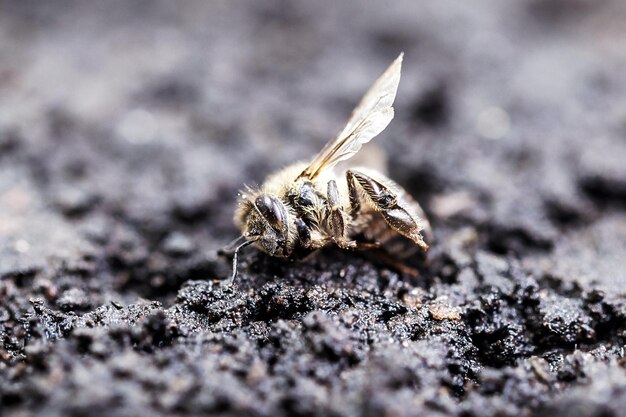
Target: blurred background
{"x":151,"y":114}
{"x":128,"y":127}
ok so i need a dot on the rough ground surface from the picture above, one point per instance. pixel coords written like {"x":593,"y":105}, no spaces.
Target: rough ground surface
{"x":126,"y":129}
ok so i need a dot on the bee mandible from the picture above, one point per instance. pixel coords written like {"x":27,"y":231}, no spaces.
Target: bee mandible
{"x":307,"y":206}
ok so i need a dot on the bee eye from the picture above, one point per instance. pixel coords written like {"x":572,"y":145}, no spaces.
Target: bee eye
{"x":272,"y":210}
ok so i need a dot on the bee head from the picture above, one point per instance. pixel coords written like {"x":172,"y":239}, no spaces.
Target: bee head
{"x":267,"y":222}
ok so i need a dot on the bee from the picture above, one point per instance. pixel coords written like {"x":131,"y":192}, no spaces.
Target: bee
{"x":308,"y":206}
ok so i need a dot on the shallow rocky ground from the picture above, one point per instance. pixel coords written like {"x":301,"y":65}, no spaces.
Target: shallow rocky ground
{"x":126,"y":129}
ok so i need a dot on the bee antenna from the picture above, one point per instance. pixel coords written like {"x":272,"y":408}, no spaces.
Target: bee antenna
{"x":235,"y":256}
{"x":232,"y":245}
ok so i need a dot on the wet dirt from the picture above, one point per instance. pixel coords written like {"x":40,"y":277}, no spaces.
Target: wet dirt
{"x":127,"y":129}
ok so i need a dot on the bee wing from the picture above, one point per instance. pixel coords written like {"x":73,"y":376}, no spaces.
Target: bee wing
{"x":368,"y":119}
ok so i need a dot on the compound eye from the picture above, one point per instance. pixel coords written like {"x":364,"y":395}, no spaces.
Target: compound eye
{"x":272,"y":210}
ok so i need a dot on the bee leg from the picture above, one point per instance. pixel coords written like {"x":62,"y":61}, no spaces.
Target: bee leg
{"x":336,"y":222}
{"x":393,"y":263}
{"x":355,"y":201}
{"x":398,"y":213}
{"x":367,"y":245}
{"x":304,"y":233}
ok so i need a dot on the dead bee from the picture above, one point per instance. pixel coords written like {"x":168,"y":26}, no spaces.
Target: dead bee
{"x":307,"y":206}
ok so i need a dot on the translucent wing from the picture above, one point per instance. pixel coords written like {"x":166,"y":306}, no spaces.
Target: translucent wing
{"x":368,"y":119}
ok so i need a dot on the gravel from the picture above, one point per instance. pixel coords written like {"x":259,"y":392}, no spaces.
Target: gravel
{"x":128,"y":127}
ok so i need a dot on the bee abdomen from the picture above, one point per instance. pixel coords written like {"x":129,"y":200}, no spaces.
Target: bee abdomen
{"x":374,"y":228}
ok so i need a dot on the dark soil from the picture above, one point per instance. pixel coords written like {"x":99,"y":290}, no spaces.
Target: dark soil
{"x":127,"y":128}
